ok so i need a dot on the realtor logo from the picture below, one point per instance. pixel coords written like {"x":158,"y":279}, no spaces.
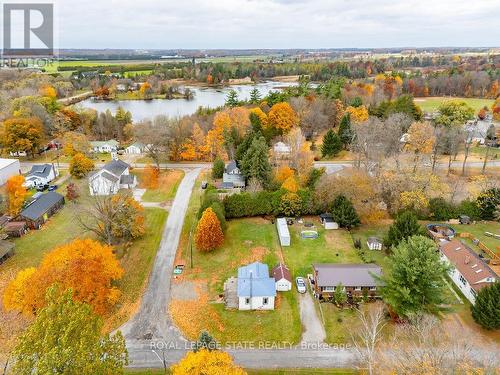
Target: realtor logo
{"x":28,"y":29}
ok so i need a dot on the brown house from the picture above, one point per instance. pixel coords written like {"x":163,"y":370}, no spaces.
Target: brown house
{"x":357,"y":279}
{"x":15,"y":228}
{"x":38,"y":212}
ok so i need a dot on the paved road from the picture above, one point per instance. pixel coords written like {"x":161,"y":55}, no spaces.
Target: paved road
{"x":152,"y":321}
{"x":313,"y":329}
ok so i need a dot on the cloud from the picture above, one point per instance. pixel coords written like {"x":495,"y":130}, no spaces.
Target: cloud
{"x":205,"y":24}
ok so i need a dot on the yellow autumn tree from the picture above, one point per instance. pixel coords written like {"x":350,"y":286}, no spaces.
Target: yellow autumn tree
{"x":209,"y":235}
{"x":358,"y":114}
{"x":16,"y":194}
{"x":205,"y":362}
{"x":413,"y":200}
{"x":48,"y":91}
{"x":261,"y":115}
{"x":421,"y":140}
{"x":283,"y":173}
{"x":290,"y":184}
{"x":240,"y":119}
{"x":80,"y":165}
{"x":282,"y":117}
{"x":188,"y":150}
{"x":86,"y":266}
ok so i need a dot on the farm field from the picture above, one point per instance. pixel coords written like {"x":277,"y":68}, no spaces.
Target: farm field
{"x":431,"y":104}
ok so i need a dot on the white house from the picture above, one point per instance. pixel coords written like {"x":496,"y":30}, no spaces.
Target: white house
{"x":114,"y":176}
{"x":8,"y":168}
{"x":135,"y":148}
{"x":256,"y":290}
{"x":41,"y":174}
{"x":232,"y":177}
{"x":477,"y":130}
{"x":283,"y":232}
{"x":282,"y":278}
{"x":468,"y":271}
{"x":104,"y":146}
{"x":281,"y":149}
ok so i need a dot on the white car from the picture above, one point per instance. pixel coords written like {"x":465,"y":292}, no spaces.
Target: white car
{"x":301,"y":284}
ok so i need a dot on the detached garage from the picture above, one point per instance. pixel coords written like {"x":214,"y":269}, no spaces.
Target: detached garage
{"x":283,"y":232}
{"x":8,"y":168}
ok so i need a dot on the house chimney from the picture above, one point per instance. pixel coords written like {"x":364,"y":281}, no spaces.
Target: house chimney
{"x":467,"y":259}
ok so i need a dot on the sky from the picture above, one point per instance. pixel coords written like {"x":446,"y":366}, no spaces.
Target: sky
{"x":249,"y":24}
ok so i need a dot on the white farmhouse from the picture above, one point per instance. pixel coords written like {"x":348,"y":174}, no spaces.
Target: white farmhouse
{"x":135,"y":148}
{"x":468,"y":271}
{"x":233,"y":178}
{"x":256,"y":290}
{"x":8,"y":168}
{"x":114,"y":176}
{"x":41,"y":174}
{"x":282,"y":149}
{"x":104,"y":146}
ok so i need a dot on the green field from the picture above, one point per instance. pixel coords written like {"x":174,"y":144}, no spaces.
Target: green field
{"x":431,"y":104}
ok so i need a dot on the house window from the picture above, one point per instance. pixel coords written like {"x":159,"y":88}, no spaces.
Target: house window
{"x":247,"y":301}
{"x":328,"y":289}
{"x":265,"y":300}
{"x":358,"y":288}
{"x":463,"y":280}
{"x":372,"y":288}
{"x":473,"y":292}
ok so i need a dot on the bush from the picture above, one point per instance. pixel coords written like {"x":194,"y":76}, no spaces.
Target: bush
{"x":218,"y":168}
{"x":441,"y":210}
{"x":486,"y":310}
{"x":469,"y":208}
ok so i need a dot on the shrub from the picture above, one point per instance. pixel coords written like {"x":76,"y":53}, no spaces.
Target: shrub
{"x":441,"y":210}
{"x":218,"y":168}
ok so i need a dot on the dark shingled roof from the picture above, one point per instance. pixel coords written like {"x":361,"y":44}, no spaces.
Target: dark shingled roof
{"x":5,"y":248}
{"x":231,"y":166}
{"x":116,"y":167}
{"x":347,"y":274}
{"x":127,"y":179}
{"x":42,"y":205}
{"x":40,"y":170}
{"x":109,"y":176}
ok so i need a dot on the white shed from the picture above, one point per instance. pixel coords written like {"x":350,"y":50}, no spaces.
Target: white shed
{"x":8,"y":168}
{"x":374,"y":243}
{"x":283,"y":232}
{"x":282,"y":277}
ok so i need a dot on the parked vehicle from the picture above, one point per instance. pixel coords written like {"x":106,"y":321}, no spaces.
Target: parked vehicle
{"x":204,"y":185}
{"x":42,"y":187}
{"x":301,"y":284}
{"x":52,"y":187}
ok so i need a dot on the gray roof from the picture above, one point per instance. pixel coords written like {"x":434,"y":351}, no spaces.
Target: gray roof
{"x":348,"y":274}
{"x":254,"y":281}
{"x":373,"y":240}
{"x":116,"y":167}
{"x":109,"y":176}
{"x":127,"y":179}
{"x":231,"y":166}
{"x":5,"y":248}
{"x":40,"y":170}
{"x":42,"y":205}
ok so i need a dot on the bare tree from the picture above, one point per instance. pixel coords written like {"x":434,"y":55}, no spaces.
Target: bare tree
{"x":369,"y":335}
{"x":155,"y":137}
{"x":369,"y":144}
{"x":469,"y":133}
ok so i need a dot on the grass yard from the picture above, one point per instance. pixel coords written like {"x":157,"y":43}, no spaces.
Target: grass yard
{"x":431,"y":104}
{"x":137,"y":261}
{"x":478,"y":230}
{"x":167,"y":188}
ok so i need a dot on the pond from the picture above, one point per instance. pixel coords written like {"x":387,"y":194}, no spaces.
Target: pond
{"x":203,"y":96}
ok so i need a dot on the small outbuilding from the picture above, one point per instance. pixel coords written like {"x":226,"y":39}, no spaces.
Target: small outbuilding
{"x":464,"y":219}
{"x":283,"y":232}
{"x":328,"y":222}
{"x":282,"y":277}
{"x":374,"y":243}
{"x":15,"y":228}
{"x":6,"y":250}
{"x":38,"y":212}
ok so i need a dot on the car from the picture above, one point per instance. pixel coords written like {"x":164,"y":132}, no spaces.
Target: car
{"x":52,"y":187}
{"x":301,"y":284}
{"x":42,"y":187}
{"x":204,"y":185}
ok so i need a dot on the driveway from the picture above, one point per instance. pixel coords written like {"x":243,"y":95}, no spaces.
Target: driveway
{"x":152,"y":321}
{"x":313,"y":330}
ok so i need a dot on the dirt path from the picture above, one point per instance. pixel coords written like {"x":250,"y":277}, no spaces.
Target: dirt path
{"x":313,"y":329}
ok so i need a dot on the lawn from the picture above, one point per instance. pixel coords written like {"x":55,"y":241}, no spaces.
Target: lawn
{"x":167,"y":188}
{"x":431,"y":104}
{"x":478,"y":230}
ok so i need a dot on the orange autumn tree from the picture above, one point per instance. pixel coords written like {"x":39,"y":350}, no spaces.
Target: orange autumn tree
{"x":16,"y":194}
{"x":86,"y":266}
{"x":151,"y":177}
{"x":283,"y":173}
{"x":282,"y":117}
{"x":206,"y":362}
{"x":358,"y":114}
{"x":209,"y":235}
{"x":290,"y":184}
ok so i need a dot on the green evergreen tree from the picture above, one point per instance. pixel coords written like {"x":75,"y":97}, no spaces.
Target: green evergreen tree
{"x":346,"y":133}
{"x":339,"y":295}
{"x":344,"y":213}
{"x":488,"y":202}
{"x":486,"y":310}
{"x":255,"y":163}
{"x":245,"y":145}
{"x":218,"y":168}
{"x":232,"y":99}
{"x":415,"y":282}
{"x":65,"y":338}
{"x":255,"y":96}
{"x":331,"y":144}
{"x":405,"y":225}
{"x":206,"y":341}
